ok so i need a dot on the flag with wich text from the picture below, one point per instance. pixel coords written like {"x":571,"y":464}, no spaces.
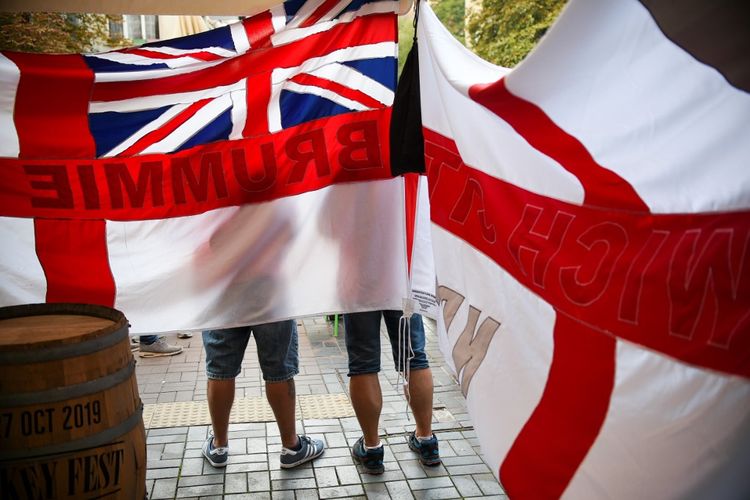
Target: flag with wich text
{"x":591,"y":227}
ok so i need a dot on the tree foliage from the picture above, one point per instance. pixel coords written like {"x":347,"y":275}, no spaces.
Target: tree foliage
{"x":452,"y":14}
{"x":50,"y":32}
{"x":504,"y":31}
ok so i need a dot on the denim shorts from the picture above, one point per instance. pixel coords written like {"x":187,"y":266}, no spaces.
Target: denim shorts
{"x":277,"y":350}
{"x":362,"y":332}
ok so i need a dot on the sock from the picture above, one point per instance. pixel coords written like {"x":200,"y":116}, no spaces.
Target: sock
{"x":423,"y":438}
{"x":379,"y":445}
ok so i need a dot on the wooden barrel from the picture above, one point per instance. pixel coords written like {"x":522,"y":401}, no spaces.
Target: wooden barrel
{"x":71,"y":419}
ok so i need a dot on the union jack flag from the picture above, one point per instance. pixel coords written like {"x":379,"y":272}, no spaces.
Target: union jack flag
{"x":182,"y":173}
{"x":171,"y":95}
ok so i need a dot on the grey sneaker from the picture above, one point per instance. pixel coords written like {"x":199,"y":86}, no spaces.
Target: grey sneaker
{"x":218,"y":456}
{"x":159,"y":348}
{"x":310,"y":449}
{"x":134,"y":344}
{"x":184,"y":335}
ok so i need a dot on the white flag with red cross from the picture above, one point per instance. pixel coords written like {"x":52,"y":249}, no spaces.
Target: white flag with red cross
{"x":591,"y":227}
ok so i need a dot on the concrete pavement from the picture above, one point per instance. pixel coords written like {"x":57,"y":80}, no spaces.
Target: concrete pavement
{"x":173,"y":390}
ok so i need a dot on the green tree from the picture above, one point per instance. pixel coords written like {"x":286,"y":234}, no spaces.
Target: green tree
{"x":49,"y":32}
{"x":504,"y":31}
{"x":452,"y":14}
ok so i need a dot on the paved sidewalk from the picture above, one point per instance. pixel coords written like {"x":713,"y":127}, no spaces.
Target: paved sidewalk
{"x":173,"y":390}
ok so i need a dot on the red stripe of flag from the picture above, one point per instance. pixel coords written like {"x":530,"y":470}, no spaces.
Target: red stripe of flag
{"x":348,"y":92}
{"x":150,"y":54}
{"x":379,"y":29}
{"x":51,"y":108}
{"x":558,"y":435}
{"x":603,"y":187}
{"x":322,"y":10}
{"x":259,"y":29}
{"x":73,"y":254}
{"x":51,"y":116}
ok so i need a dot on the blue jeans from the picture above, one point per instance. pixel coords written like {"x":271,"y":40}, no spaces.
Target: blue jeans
{"x":277,"y":350}
{"x":148,"y":339}
{"x":362,"y":331}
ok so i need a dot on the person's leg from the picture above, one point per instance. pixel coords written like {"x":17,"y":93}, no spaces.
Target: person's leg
{"x":362,"y":337}
{"x":367,"y":401}
{"x":420,"y":400}
{"x":224,"y":352}
{"x":419,"y":387}
{"x":220,"y":395}
{"x":279,"y":362}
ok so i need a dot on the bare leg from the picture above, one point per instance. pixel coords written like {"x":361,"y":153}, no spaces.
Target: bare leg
{"x":367,"y":400}
{"x":220,"y":394}
{"x":282,"y":398}
{"x":420,"y":400}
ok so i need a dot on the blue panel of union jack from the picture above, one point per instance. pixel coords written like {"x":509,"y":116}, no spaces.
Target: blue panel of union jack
{"x":297,"y":62}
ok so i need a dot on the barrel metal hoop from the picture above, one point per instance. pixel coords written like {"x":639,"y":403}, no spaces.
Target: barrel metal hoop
{"x":68,"y":392}
{"x":64,"y":351}
{"x":103,"y":438}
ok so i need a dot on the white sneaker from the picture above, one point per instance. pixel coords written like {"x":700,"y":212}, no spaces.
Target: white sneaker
{"x":159,"y":348}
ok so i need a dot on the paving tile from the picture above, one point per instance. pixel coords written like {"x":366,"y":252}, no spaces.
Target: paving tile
{"x":311,"y":494}
{"x":348,"y":474}
{"x":235,"y":483}
{"x":465,"y":460}
{"x":377,"y":491}
{"x":412,"y":469}
{"x":173,"y":451}
{"x":164,"y":488}
{"x":292,"y":484}
{"x":169,"y":438}
{"x":200,"y":480}
{"x":435,"y":494}
{"x":468,"y":469}
{"x":258,"y":481}
{"x":399,"y":489}
{"x":162,"y":473}
{"x":488,"y":484}
{"x":246,"y":467}
{"x":266,"y":495}
{"x":432,"y":482}
{"x":388,"y":475}
{"x":283,"y":495}
{"x":301,"y":472}
{"x":199,"y":491}
{"x":193,"y":466}
{"x":326,"y":476}
{"x":466,"y":486}
{"x":341,"y":491}
{"x":158,"y":463}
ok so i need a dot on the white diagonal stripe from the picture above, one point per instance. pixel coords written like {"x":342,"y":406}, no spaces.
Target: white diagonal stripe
{"x":356,"y":80}
{"x":328,"y":94}
{"x":149,"y":127}
{"x":158,"y":101}
{"x":188,"y":129}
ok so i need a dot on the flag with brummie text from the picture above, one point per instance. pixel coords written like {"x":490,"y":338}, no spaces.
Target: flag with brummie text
{"x":591,"y":227}
{"x":230,"y":177}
